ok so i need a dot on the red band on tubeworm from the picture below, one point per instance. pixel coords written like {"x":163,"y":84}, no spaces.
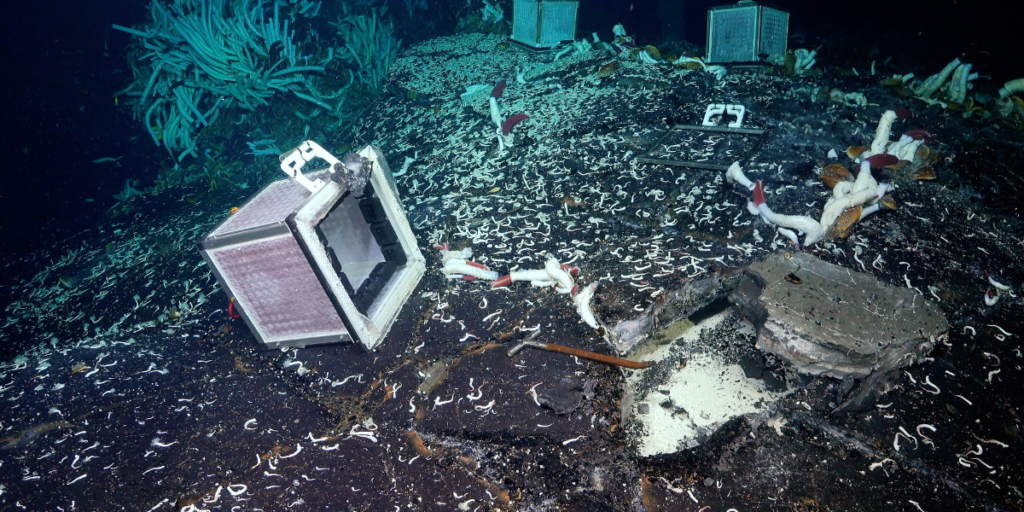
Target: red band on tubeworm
{"x":758,"y":194}
{"x":575,"y":289}
{"x":506,"y":127}
{"x":498,"y":89}
{"x":882,"y":160}
{"x":468,"y":278}
{"x":441,"y":247}
{"x":903,"y":113}
{"x":231,"y":309}
{"x":477,"y":265}
{"x":919,"y":134}
{"x":501,"y":281}
{"x":571,"y":269}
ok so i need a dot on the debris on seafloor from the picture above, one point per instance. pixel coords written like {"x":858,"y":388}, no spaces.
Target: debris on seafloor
{"x":822,"y":319}
{"x":839,"y":322}
{"x":672,"y":307}
{"x":431,"y":377}
{"x":699,"y":382}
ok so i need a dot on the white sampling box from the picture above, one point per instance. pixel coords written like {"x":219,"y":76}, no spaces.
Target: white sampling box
{"x":308,"y":261}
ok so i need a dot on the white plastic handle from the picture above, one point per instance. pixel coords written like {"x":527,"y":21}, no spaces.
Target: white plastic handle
{"x":293,"y":162}
{"x":736,"y":110}
{"x":714,"y":109}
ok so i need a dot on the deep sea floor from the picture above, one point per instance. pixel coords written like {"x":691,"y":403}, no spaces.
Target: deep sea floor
{"x":132,"y":389}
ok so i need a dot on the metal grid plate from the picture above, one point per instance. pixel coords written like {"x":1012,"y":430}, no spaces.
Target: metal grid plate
{"x":281,"y":300}
{"x":732,"y":34}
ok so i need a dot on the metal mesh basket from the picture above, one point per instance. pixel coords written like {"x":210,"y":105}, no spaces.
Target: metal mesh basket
{"x":539,"y":24}
{"x":746,"y":31}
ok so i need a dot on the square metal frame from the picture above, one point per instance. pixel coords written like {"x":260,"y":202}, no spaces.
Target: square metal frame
{"x":302,"y":291}
{"x":740,"y":32}
{"x":543,"y":25}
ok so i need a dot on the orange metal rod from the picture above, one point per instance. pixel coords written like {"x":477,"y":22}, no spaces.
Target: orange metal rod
{"x":594,"y":356}
{"x":586,"y":354}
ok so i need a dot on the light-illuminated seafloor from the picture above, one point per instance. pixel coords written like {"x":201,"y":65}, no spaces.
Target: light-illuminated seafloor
{"x":138,"y":392}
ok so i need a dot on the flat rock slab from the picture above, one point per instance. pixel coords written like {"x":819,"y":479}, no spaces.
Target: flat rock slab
{"x":830,"y":320}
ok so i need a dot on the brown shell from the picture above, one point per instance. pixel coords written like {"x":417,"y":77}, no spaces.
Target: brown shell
{"x":653,"y":52}
{"x":855,"y":151}
{"x":841,"y":229}
{"x":887,"y":202}
{"x":903,"y":92}
{"x":924,"y":173}
{"x":607,"y":70}
{"x":832,"y":174}
{"x":901,"y":165}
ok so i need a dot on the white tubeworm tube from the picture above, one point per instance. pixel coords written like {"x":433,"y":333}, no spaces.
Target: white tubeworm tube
{"x":999,"y":286}
{"x":459,"y":266}
{"x":554,"y":269}
{"x":735,"y":174}
{"x":530,"y":275}
{"x":882,"y":132}
{"x":582,"y":300}
{"x":298,"y":448}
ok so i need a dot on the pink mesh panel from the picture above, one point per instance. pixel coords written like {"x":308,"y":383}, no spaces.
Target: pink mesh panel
{"x":274,"y":283}
{"x":273,"y":204}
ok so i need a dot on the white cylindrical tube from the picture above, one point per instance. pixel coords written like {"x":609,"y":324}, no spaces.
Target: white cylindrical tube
{"x":554,"y":269}
{"x":530,"y":275}
{"x":582,"y":300}
{"x":882,"y":132}
{"x":809,"y":226}
{"x":458,"y":266}
{"x":735,"y":174}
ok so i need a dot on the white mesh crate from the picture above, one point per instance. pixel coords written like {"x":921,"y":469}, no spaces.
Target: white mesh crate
{"x":318,"y":267}
{"x":539,"y":24}
{"x":744,"y":32}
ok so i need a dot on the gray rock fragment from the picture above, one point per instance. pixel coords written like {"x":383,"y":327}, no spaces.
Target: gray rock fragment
{"x":566,"y":396}
{"x":744,"y":299}
{"x":834,"y":321}
{"x":353,"y":172}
